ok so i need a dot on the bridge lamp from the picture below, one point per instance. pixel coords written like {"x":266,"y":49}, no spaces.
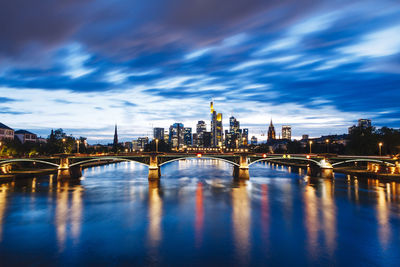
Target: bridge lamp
{"x":311,"y":142}
{"x":308,"y":157}
{"x":156,"y":144}
{"x":264,"y":155}
{"x":199,"y":155}
{"x":380,"y":148}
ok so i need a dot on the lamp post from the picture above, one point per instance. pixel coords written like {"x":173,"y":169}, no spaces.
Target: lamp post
{"x":327,"y":145}
{"x":63,"y":140}
{"x":310,"y":145}
{"x":380,"y":148}
{"x":77,"y":146}
{"x":156,"y":145}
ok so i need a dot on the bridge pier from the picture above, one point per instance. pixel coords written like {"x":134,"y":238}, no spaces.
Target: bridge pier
{"x":242,"y":171}
{"x":154,"y":168}
{"x":67,"y":172}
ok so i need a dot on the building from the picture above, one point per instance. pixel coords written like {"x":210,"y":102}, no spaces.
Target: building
{"x":200,"y":129}
{"x":286,"y":132}
{"x":362,"y":123}
{"x":115,"y":143}
{"x":195,"y":142}
{"x":271,"y":132}
{"x":206,"y":139}
{"x":158,"y":133}
{"x":176,"y":135}
{"x":25,"y":136}
{"x":254,"y":140}
{"x":6,"y":132}
{"x":142,"y":142}
{"x":216,"y":127}
{"x":187,"y":136}
{"x":245,"y":137}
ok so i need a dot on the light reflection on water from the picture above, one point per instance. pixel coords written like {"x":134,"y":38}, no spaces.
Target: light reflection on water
{"x":197,"y":213}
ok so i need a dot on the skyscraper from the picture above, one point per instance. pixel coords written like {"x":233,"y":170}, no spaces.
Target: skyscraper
{"x":245,"y":137}
{"x":216,"y":127}
{"x":176,"y":135}
{"x":200,"y":129}
{"x":158,"y":133}
{"x":271,"y":132}
{"x":286,"y":132}
{"x":187,"y":138}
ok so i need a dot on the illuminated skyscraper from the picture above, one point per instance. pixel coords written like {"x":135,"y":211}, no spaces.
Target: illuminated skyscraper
{"x":271,"y":132}
{"x":158,"y":133}
{"x":187,"y":138}
{"x":216,"y":127}
{"x":176,"y":135}
{"x":286,"y":132}
{"x":200,"y":129}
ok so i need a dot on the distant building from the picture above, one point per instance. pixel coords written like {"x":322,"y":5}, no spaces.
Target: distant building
{"x":200,"y":129}
{"x":6,"y":132}
{"x":195,"y":142}
{"x":187,"y":136}
{"x":115,"y":143}
{"x":362,"y":123}
{"x":206,"y":139}
{"x":216,"y":127}
{"x":128,"y":146}
{"x":158,"y":133}
{"x":166,"y":135}
{"x":142,"y":142}
{"x":245,"y":137}
{"x":271,"y":132}
{"x":25,"y":136}
{"x":286,"y":132}
{"x":254,"y":140}
{"x":305,"y":137}
{"x":176,"y":135}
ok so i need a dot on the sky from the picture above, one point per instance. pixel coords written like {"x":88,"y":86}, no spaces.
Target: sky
{"x":86,"y":65}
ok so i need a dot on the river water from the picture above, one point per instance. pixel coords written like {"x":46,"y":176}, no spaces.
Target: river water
{"x":197,"y":215}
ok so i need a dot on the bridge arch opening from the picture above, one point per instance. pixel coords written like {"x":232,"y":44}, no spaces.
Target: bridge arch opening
{"x":200,"y":158}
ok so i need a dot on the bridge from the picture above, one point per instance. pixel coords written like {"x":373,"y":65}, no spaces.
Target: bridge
{"x":70,"y":166}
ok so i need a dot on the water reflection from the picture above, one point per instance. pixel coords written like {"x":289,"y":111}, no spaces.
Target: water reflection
{"x":241,"y":220}
{"x":68,"y":217}
{"x":3,"y":205}
{"x":155,"y":214}
{"x":199,"y":215}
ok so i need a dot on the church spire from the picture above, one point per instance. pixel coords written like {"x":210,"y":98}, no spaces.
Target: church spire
{"x":115,"y":136}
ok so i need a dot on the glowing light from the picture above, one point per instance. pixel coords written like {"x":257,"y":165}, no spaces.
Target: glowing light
{"x":199,"y":155}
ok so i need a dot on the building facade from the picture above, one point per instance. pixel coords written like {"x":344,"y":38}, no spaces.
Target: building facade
{"x":187,"y":136}
{"x":158,"y":133}
{"x":176,"y":135}
{"x":200,"y":129}
{"x":25,"y":136}
{"x":6,"y":132}
{"x":286,"y":132}
{"x":271,"y":132}
{"x":216,"y":127}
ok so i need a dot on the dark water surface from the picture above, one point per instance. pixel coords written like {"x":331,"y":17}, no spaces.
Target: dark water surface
{"x":199,"y":216}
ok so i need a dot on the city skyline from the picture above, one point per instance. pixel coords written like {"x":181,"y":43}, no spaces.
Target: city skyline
{"x":318,"y":67}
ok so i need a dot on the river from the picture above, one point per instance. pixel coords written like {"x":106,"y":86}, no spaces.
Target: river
{"x":197,"y":215}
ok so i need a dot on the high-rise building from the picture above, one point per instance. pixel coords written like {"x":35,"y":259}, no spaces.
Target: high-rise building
{"x":245,"y":137}
{"x":254,"y":140}
{"x":187,"y":136}
{"x":286,"y":132}
{"x":142,"y":142}
{"x":195,"y":142}
{"x":158,"y":133}
{"x":206,"y":139}
{"x":216,"y":127}
{"x":271,"y":132}
{"x":200,"y":129}
{"x":176,"y":135}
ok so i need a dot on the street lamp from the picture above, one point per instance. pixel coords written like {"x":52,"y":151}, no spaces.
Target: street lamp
{"x":63,"y":140}
{"x":310,"y":145}
{"x":77,"y":146}
{"x":327,"y":145}
{"x":156,"y":145}
{"x":380,"y":148}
